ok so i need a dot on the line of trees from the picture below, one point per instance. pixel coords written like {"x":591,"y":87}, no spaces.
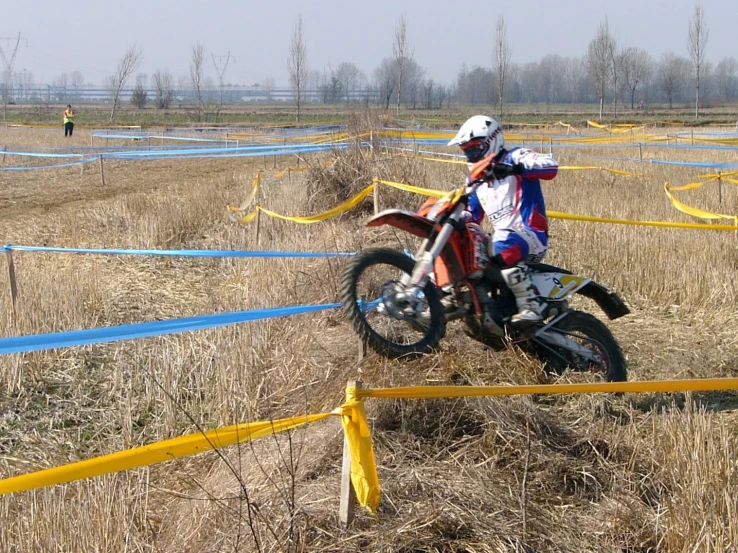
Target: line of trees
{"x":609,"y":73}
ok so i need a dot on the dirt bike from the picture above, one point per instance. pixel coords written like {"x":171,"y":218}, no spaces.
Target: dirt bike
{"x":399,"y":304}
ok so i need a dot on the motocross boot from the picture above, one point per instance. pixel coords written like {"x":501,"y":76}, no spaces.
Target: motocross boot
{"x":487,"y":309}
{"x":530,"y":306}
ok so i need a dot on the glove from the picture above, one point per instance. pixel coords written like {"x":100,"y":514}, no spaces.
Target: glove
{"x":467,"y":217}
{"x":502,"y":170}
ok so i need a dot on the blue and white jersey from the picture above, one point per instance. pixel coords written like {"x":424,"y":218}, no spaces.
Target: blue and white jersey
{"x":516,"y":202}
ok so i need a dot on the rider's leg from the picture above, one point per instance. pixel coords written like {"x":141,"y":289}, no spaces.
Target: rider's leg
{"x":480,"y":262}
{"x":515,"y":248}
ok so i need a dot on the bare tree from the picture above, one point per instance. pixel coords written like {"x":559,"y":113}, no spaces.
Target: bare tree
{"x":636,"y":65}
{"x":503,"y":55}
{"x":696,"y":43}
{"x":598,"y":61}
{"x":8,"y":75}
{"x":60,"y":84}
{"x":197,"y":74}
{"x":25,"y":82}
{"x":267,"y":87}
{"x":400,"y":55}
{"x":126,"y":66}
{"x":164,"y":93}
{"x":348,"y":75}
{"x":140,"y":97}
{"x":385,"y":79}
{"x":77,"y":81}
{"x":616,"y":62}
{"x":672,"y":72}
{"x":297,"y":65}
{"x":726,"y":74}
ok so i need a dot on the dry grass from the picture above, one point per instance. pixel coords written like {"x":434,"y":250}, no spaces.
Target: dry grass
{"x":571,"y":473}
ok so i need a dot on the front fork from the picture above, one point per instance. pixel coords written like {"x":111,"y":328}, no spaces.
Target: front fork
{"x":425,"y":257}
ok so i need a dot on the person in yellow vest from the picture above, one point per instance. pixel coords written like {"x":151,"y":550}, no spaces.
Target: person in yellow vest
{"x":68,"y":121}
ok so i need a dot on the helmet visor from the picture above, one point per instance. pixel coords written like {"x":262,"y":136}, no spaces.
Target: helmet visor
{"x":474,"y":150}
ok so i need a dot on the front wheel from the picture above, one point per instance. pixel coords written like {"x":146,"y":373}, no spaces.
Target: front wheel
{"x":591,"y":333}
{"x":374,"y":299}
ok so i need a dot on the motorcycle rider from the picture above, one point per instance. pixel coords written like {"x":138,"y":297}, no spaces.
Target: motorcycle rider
{"x":511,"y":196}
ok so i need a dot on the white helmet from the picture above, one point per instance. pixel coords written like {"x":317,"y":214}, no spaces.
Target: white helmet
{"x":479,"y":137}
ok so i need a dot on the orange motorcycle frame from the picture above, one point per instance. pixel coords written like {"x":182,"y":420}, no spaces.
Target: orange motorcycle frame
{"x":456,"y":258}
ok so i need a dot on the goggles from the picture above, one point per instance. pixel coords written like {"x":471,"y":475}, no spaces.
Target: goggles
{"x":474,"y":150}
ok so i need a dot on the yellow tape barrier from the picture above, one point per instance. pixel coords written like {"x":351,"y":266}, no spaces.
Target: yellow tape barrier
{"x":154,"y":453}
{"x":663,"y":224}
{"x":431,"y":392}
{"x":695,"y":211}
{"x":339,"y":209}
{"x":353,"y":202}
{"x":561,"y":167}
{"x":364,"y":476}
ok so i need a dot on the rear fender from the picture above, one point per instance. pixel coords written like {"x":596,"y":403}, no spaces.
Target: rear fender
{"x":555,"y":286}
{"x":612,"y":304}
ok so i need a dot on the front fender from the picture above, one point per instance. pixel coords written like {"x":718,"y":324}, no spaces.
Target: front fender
{"x":411,"y":223}
{"x":449,"y":267}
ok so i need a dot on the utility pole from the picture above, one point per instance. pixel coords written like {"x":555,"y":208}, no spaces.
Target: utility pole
{"x":221,"y":72}
{"x":8,"y":66}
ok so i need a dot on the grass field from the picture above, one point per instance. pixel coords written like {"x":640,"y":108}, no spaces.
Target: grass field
{"x":636,"y":472}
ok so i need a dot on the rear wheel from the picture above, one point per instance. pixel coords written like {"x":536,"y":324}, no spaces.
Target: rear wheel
{"x":591,"y":333}
{"x":374,"y":301}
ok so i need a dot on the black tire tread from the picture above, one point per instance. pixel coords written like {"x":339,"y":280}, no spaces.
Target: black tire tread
{"x":356,"y":266}
{"x":592,"y":327}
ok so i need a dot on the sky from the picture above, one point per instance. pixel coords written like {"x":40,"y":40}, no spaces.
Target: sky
{"x":92,"y":36}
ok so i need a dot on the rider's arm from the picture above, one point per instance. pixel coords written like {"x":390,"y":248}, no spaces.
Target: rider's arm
{"x":474,"y":212}
{"x":535,"y":165}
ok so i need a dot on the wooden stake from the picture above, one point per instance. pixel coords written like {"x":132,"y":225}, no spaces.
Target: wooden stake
{"x":348,"y":494}
{"x":376,"y":198}
{"x":13,"y":282}
{"x":361,"y":352}
{"x":4,"y":150}
{"x":258,"y":224}
{"x":102,"y":171}
{"x":720,"y":187}
{"x":640,"y":150}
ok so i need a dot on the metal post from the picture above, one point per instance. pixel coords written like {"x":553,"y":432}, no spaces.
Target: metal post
{"x":13,"y":282}
{"x":348,"y":494}
{"x":640,"y":151}
{"x":5,"y":148}
{"x":102,"y":171}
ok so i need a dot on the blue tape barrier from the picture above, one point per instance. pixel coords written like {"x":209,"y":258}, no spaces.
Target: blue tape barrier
{"x":38,"y":342}
{"x":179,"y":253}
{"x":55,"y":165}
